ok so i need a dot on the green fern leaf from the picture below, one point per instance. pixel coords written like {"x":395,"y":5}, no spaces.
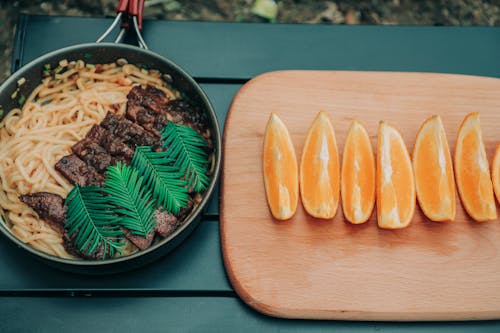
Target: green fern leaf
{"x":162,"y":178}
{"x":126,"y":190}
{"x":187,"y":148}
{"x":90,"y":217}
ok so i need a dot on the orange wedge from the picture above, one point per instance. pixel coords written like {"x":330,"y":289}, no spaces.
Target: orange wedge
{"x":434,"y":179}
{"x":472,"y":171}
{"x":280,"y":169}
{"x":495,"y":173}
{"x":395,"y":182}
{"x":319,"y":169}
{"x":357,"y":185}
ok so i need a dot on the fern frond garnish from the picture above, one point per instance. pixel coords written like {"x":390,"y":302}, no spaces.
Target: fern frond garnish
{"x":188,"y":149}
{"x":162,"y":178}
{"x":126,"y":190}
{"x":90,"y":216}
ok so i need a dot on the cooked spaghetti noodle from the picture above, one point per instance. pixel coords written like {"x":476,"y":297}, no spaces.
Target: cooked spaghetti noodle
{"x":57,"y":114}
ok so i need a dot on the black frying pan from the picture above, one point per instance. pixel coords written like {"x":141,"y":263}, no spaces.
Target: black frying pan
{"x":101,"y":53}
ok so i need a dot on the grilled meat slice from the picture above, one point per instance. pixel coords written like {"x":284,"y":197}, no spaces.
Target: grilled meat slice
{"x":146,"y":107}
{"x":48,"y":206}
{"x":166,"y":223}
{"x":184,"y":113}
{"x":130,"y":133}
{"x":77,"y":171}
{"x":100,"y":149}
{"x":117,"y":148}
{"x":95,"y":155}
{"x":151,"y":121}
{"x":151,"y":108}
{"x":140,"y":241}
{"x":90,"y":150}
{"x":150,"y":97}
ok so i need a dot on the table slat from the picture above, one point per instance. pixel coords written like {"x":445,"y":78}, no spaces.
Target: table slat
{"x":184,"y":314}
{"x":241,"y":50}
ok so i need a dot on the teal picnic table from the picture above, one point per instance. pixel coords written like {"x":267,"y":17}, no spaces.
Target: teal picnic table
{"x":188,"y":290}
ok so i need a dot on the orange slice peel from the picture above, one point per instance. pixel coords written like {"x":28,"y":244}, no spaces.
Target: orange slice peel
{"x":495,"y":173}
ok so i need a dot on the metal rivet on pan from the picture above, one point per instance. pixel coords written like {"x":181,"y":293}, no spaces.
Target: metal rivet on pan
{"x":167,"y":78}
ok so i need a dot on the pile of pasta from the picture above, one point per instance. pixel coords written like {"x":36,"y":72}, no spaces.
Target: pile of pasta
{"x":57,"y":114}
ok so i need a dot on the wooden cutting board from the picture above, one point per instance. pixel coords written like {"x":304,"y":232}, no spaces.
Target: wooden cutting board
{"x":330,"y":269}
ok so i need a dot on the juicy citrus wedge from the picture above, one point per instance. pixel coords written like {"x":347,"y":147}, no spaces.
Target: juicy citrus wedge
{"x":319,"y":169}
{"x":434,"y":179}
{"x":357,"y":185}
{"x":472,"y":171}
{"x":280,"y":169}
{"x":395,"y":182}
{"x":495,"y":173}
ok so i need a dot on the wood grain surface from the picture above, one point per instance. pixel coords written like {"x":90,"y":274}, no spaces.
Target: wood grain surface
{"x":330,"y":269}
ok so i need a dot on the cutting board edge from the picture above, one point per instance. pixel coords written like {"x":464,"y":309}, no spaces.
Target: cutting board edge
{"x":266,"y":75}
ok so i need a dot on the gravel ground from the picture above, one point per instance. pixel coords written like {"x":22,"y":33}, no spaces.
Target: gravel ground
{"x":404,"y":12}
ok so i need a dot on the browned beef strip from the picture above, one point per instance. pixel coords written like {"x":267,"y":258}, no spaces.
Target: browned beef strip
{"x":151,"y":108}
{"x":134,"y":108}
{"x":49,"y":207}
{"x":113,"y":148}
{"x":117,"y":148}
{"x":96,"y":134}
{"x":130,"y":133}
{"x":149,"y":97}
{"x":95,"y":155}
{"x":183,"y":112}
{"x":151,"y":121}
{"x":140,"y":241}
{"x":154,"y":99}
{"x":77,"y":171}
{"x":166,"y":223}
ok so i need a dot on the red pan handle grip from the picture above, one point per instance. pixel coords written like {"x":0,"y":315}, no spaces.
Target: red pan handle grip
{"x":140,"y":13}
{"x":122,"y":6}
{"x":133,"y":7}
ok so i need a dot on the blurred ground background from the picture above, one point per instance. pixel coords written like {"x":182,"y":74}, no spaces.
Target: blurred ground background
{"x":404,"y":12}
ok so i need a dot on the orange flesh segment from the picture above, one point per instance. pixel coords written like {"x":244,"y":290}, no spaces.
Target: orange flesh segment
{"x":280,"y":169}
{"x":495,"y":173}
{"x":395,"y":181}
{"x":319,"y":169}
{"x":434,"y":178}
{"x":472,"y":171}
{"x":358,"y":175}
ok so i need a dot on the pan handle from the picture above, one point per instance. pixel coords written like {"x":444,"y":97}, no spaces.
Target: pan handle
{"x":121,"y":9}
{"x":126,"y":10}
{"x":136,"y":9}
